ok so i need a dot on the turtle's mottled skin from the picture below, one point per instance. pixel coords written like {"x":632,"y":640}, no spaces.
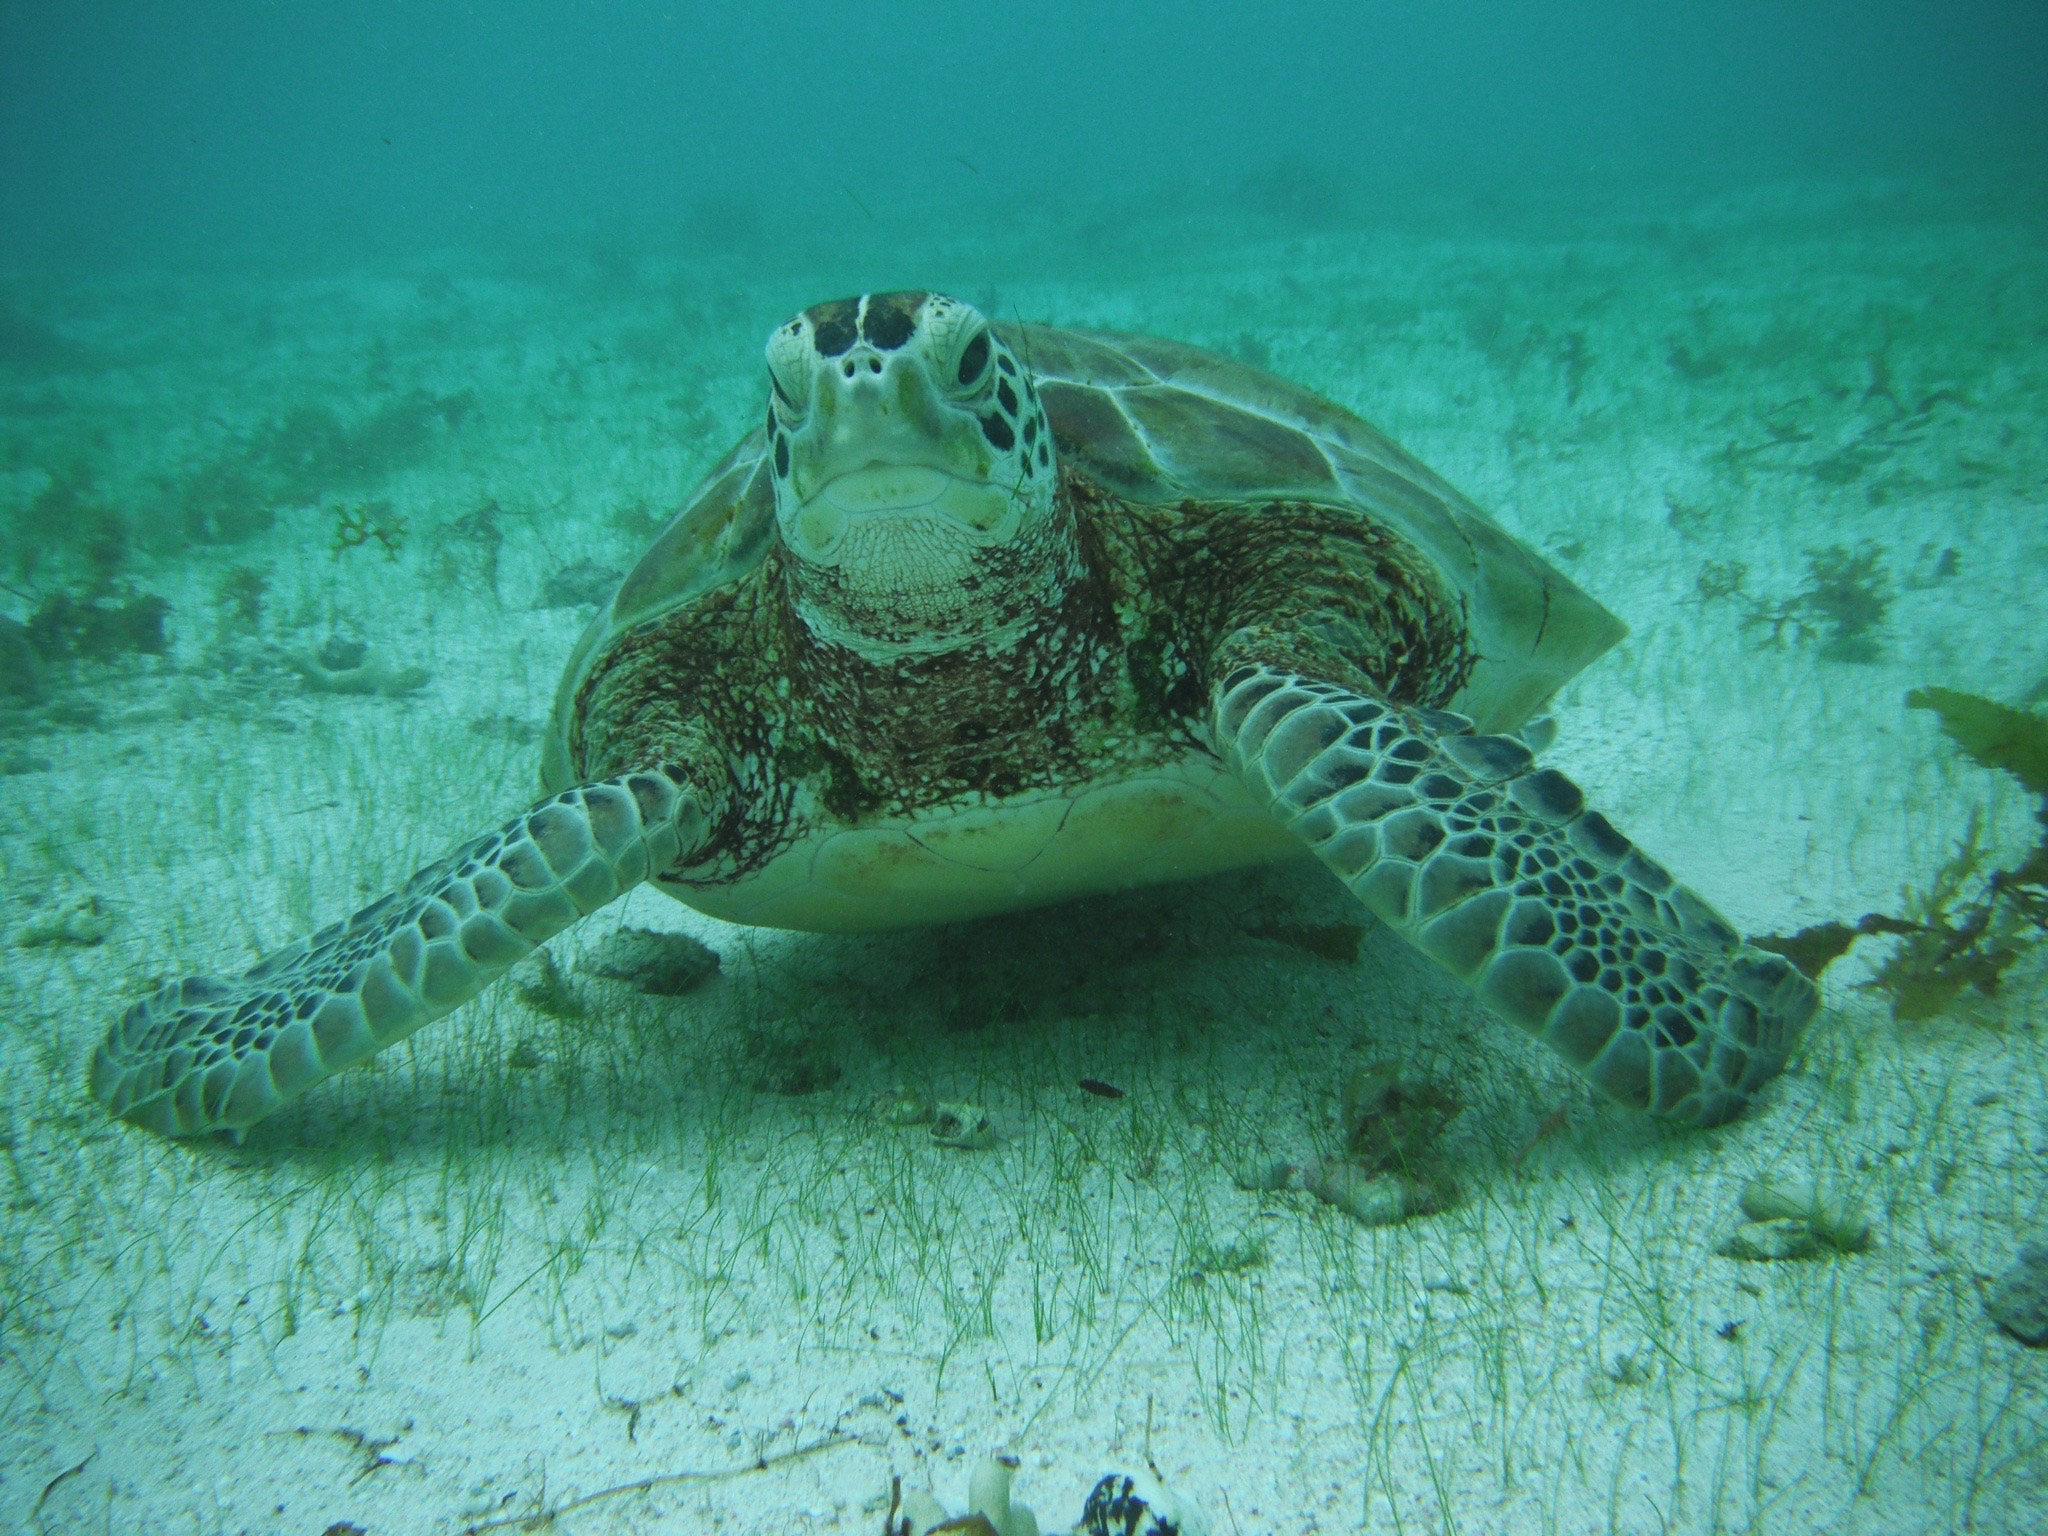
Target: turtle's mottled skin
{"x":985,"y":617}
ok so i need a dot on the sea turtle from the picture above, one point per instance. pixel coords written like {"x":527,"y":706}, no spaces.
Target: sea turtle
{"x":986,"y":616}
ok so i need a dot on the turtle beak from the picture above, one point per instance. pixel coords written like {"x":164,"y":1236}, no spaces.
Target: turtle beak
{"x":881,"y":441}
{"x":875,"y":408}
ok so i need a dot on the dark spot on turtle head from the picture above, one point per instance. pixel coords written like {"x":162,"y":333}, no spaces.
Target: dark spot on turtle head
{"x":1008,"y":397}
{"x":891,"y":319}
{"x":835,"y":326}
{"x":1044,"y":457}
{"x":781,"y":456}
{"x":998,"y":432}
{"x":1006,"y":365}
{"x":1031,"y":431}
{"x":974,"y":359}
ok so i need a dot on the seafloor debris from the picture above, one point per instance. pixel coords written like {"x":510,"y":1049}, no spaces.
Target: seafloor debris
{"x":990,"y":1509}
{"x":2019,"y":1302}
{"x":1795,"y":1220}
{"x":1374,"y":1199}
{"x":966,"y":1126}
{"x":1117,"y":1505}
{"x":658,"y":963}
{"x":342,"y":665}
{"x":1389,"y":1119}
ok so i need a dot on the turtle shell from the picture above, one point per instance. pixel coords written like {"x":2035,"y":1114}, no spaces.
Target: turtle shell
{"x":1160,"y":421}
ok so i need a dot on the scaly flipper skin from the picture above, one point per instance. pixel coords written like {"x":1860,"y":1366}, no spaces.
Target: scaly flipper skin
{"x":1495,"y":869}
{"x":208,"y":1054}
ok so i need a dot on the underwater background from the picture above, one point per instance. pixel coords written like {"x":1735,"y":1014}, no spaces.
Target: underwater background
{"x":348,"y":356}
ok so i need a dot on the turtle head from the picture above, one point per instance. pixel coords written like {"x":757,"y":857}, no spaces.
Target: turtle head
{"x":913,"y":470}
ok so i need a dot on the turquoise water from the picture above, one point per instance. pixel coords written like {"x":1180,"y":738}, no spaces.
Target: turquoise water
{"x":345,"y":365}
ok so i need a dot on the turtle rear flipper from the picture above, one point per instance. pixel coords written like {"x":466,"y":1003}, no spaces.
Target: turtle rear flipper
{"x":209,"y":1054}
{"x":1496,"y":870}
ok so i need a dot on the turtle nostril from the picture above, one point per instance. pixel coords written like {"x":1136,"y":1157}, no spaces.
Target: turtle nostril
{"x":874,"y":365}
{"x":847,"y":368}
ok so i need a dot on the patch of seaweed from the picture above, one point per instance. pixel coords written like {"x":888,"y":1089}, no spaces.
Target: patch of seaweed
{"x":1841,"y":609}
{"x":371,"y":523}
{"x":238,"y":599}
{"x":66,"y":523}
{"x":308,"y":453}
{"x":98,"y":624}
{"x":1972,"y":923}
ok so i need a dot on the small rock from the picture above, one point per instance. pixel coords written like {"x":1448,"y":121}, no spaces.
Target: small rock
{"x":965,"y":1126}
{"x":84,"y":920}
{"x":1835,"y":1220}
{"x":583,"y":584}
{"x":2019,"y":1302}
{"x":661,"y":964}
{"x":340,"y":667}
{"x":1781,"y":1237}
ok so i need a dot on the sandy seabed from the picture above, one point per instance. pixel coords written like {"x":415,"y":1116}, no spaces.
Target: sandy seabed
{"x":524,"y":1259}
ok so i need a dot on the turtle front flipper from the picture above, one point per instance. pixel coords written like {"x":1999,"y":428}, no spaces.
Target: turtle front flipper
{"x":1495,"y":869}
{"x":208,"y":1054}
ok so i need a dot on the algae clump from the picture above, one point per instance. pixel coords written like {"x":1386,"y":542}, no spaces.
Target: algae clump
{"x":1994,"y":735}
{"x":1969,"y":928}
{"x":1970,"y":925}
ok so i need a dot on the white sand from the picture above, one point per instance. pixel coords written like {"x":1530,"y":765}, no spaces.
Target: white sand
{"x":451,"y":1288}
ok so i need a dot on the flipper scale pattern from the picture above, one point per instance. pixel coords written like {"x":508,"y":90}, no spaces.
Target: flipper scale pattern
{"x":212,"y":1054}
{"x":1495,"y":869}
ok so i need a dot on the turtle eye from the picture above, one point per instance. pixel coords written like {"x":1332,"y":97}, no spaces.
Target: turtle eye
{"x":974,"y":360}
